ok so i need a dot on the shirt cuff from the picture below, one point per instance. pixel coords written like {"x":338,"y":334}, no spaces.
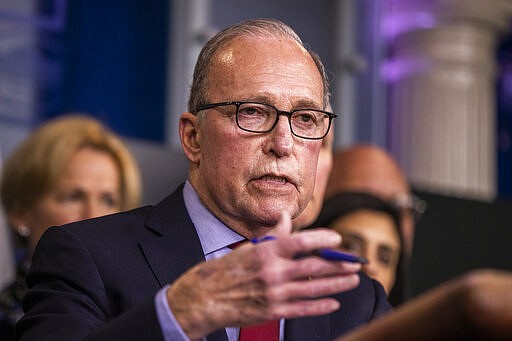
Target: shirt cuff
{"x":171,"y":330}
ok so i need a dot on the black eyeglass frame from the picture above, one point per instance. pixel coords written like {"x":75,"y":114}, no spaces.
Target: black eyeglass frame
{"x":288,"y":114}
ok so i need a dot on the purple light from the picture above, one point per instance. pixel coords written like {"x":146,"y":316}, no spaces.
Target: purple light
{"x":397,"y":23}
{"x":393,"y":70}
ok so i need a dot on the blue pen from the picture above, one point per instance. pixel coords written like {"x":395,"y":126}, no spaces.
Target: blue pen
{"x":339,"y":256}
{"x":327,"y":254}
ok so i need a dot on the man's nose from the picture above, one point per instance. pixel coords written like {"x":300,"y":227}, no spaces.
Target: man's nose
{"x":281,"y":139}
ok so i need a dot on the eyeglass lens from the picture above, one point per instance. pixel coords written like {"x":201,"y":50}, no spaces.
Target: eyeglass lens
{"x":258,"y":117}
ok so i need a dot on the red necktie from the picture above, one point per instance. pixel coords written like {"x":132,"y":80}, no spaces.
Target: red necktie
{"x":268,"y":331}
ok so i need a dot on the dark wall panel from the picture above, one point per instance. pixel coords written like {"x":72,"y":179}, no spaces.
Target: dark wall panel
{"x":457,"y":235}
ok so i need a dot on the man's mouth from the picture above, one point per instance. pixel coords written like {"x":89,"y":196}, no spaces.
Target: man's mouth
{"x":274,"y":178}
{"x":274,"y":184}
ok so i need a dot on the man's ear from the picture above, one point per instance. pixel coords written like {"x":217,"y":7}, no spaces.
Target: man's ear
{"x":190,"y":137}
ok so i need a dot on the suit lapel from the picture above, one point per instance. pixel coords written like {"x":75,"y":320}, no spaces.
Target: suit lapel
{"x":176,"y":246}
{"x":168,"y":258}
{"x":315,"y":328}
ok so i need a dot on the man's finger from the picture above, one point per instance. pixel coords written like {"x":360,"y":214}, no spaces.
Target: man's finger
{"x":284,"y":225}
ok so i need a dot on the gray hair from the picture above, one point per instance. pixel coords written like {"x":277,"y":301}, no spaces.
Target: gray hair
{"x":248,"y":28}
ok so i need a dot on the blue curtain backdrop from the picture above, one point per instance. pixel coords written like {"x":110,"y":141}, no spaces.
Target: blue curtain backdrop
{"x":108,"y":59}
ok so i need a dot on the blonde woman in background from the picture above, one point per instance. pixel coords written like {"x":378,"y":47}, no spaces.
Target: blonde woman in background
{"x":71,"y":168}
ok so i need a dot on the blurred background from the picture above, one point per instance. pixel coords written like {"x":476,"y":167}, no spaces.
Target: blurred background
{"x":429,"y":80}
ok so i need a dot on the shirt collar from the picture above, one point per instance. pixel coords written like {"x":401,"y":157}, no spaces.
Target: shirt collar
{"x":213,"y":234}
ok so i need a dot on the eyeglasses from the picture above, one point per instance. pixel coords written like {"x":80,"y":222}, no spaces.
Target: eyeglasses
{"x":256,"y":117}
{"x":413,"y":204}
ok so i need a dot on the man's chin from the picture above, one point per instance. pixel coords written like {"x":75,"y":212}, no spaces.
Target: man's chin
{"x":272,"y":213}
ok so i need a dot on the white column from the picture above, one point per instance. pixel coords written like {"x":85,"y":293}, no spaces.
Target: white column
{"x":189,"y":30}
{"x":441,"y":74}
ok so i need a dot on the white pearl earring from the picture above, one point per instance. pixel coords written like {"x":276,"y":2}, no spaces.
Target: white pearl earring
{"x":23,"y":231}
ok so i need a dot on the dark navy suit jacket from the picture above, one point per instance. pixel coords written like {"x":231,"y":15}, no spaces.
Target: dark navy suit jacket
{"x":96,"y":280}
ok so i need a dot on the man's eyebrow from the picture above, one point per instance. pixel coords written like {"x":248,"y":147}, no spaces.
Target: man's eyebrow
{"x":298,"y":103}
{"x":307,"y":103}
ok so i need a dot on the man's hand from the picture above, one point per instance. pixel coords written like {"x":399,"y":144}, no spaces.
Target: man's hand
{"x":262,"y":282}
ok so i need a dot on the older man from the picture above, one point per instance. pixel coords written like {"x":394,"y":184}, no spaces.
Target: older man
{"x":253,"y":133}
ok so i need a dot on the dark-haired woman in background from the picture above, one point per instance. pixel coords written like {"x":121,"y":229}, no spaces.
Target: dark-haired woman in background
{"x":370,"y":228}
